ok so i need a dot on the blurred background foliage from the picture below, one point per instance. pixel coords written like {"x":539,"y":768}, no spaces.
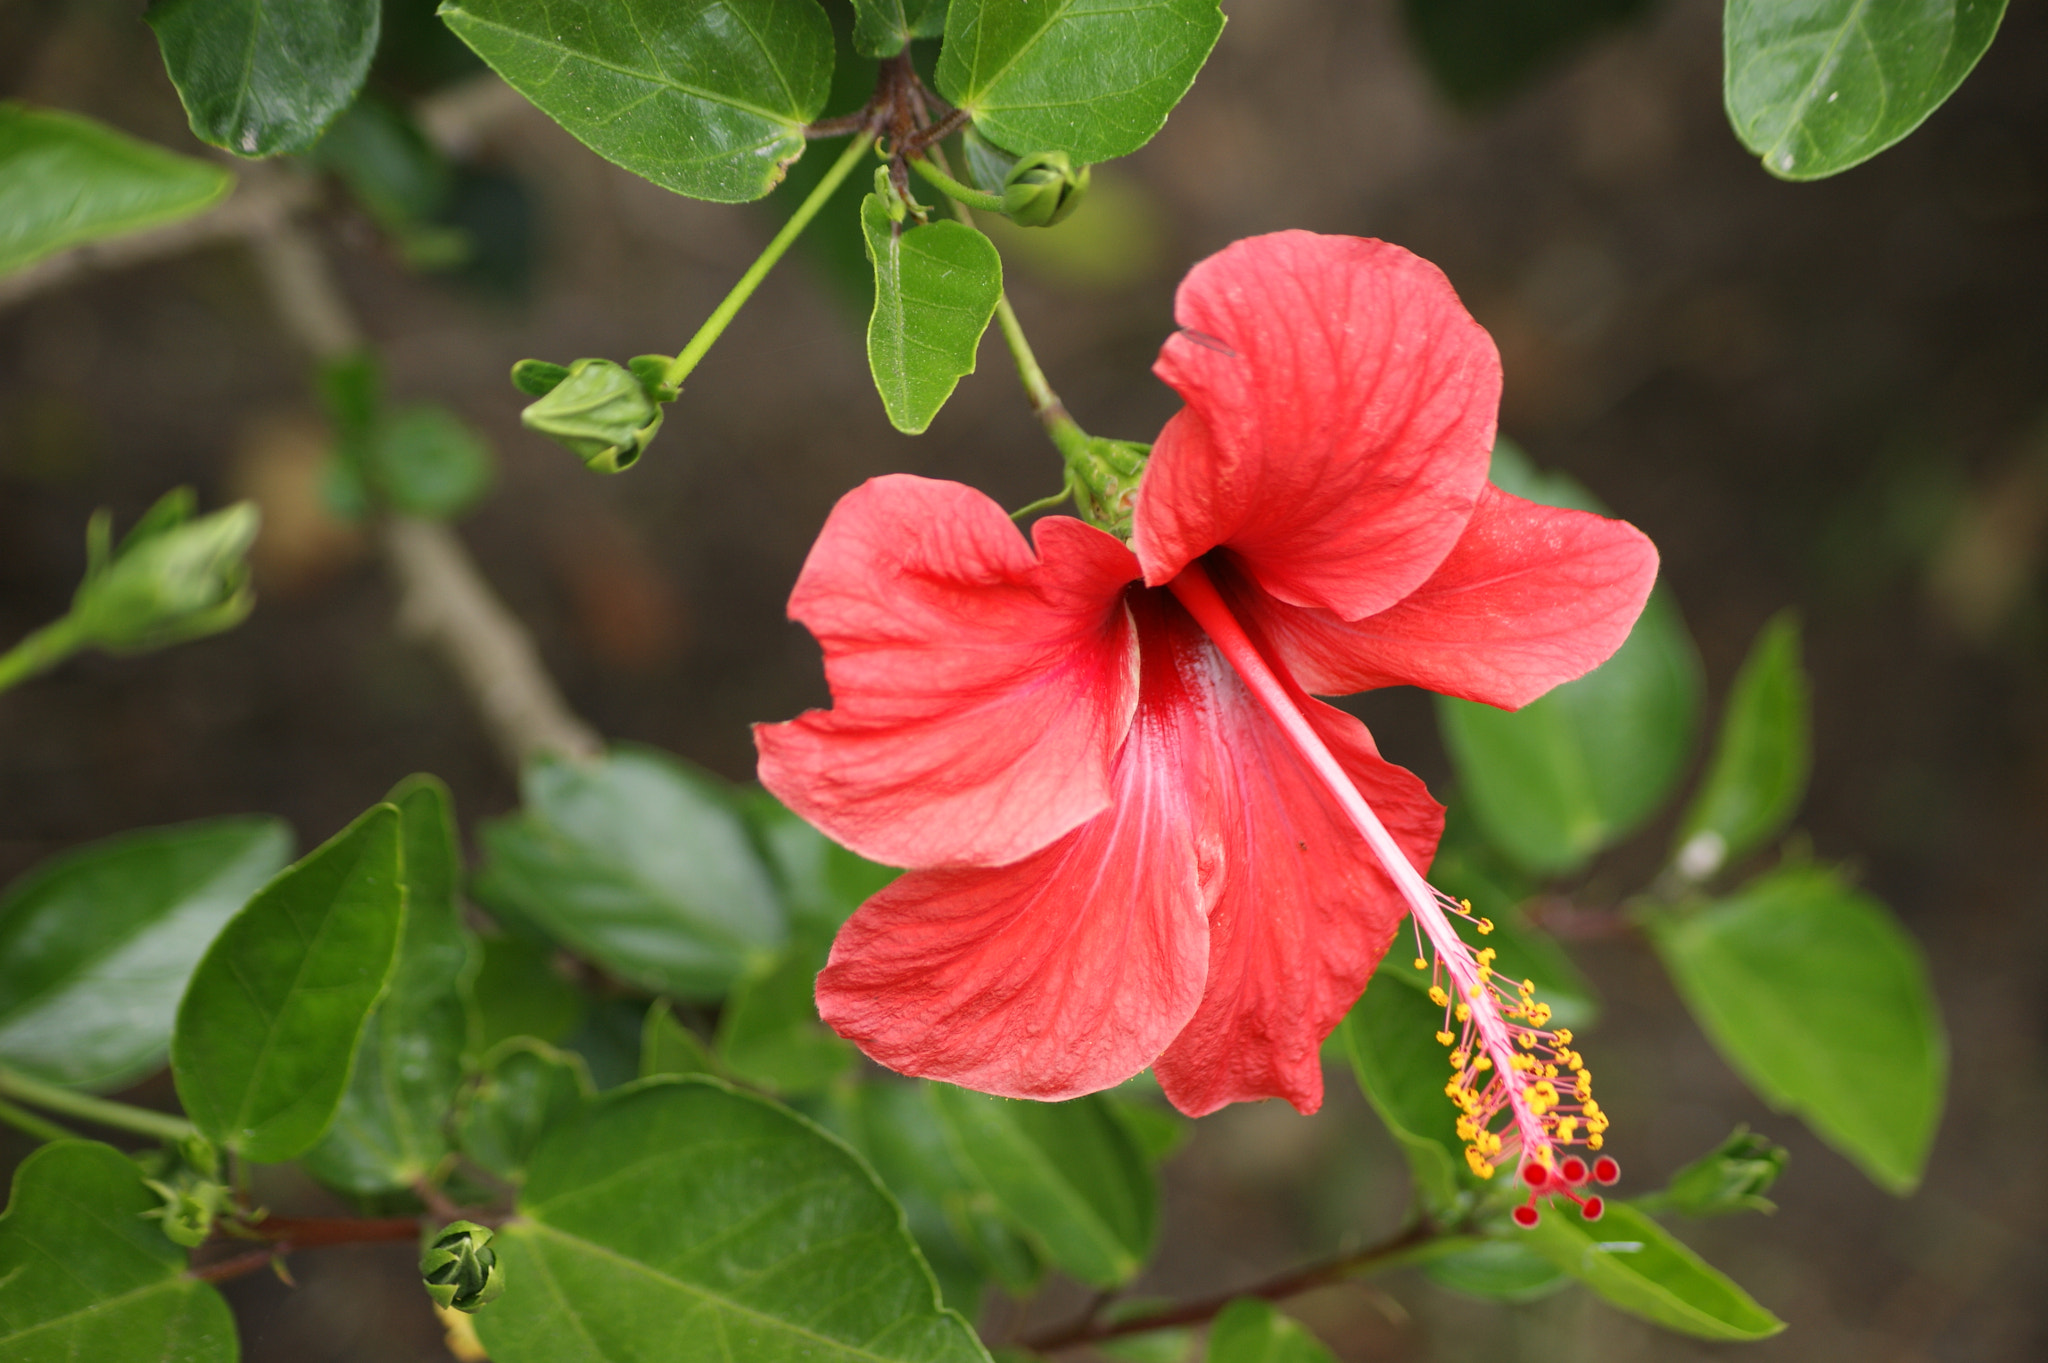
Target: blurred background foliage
{"x":1827,"y":396}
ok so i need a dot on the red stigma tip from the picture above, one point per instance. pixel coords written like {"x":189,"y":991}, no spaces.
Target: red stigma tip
{"x":1573,"y":1170}
{"x":1591,"y":1208}
{"x":1535,"y":1175}
{"x":1606,"y":1170}
{"x":1525,"y":1217}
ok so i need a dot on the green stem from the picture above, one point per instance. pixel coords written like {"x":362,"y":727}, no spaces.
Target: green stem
{"x":44,"y":649}
{"x":99,"y":1111}
{"x":21,"y":1119}
{"x":1045,"y":404}
{"x":715,"y":325}
{"x":953,"y":189}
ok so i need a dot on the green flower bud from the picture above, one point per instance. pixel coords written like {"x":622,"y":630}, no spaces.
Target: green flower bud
{"x":1043,"y":189}
{"x":602,"y":412}
{"x":1104,"y":475}
{"x":172,"y":579}
{"x":461,"y":1271}
{"x":1733,"y":1178}
{"x":192,"y":1202}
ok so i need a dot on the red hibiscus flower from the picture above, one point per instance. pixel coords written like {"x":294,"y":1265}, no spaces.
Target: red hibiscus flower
{"x":1134,"y":838}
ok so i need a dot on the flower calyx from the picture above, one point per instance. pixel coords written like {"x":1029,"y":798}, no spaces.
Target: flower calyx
{"x":173,"y":577}
{"x":1731,"y":1178}
{"x":1102,"y":476}
{"x":1044,"y":188}
{"x":461,"y":1270}
{"x":604,"y":413}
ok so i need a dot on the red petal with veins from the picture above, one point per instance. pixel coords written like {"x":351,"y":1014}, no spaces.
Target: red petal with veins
{"x":980,"y":691}
{"x":1304,"y":911}
{"x":1531,"y":596}
{"x":1063,"y":974}
{"x":1340,"y":416}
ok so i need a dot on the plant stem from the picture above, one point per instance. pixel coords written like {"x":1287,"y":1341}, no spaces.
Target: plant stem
{"x":41,"y":1128}
{"x":1045,"y":404}
{"x":953,"y":189}
{"x":44,"y":649}
{"x":1421,"y":1240}
{"x":715,"y":325}
{"x":98,"y":1111}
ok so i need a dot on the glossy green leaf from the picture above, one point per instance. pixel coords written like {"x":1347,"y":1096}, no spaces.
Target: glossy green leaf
{"x":96,"y":945}
{"x":1391,"y":1037}
{"x":84,"y":1276}
{"x":936,"y":287}
{"x":640,"y":864}
{"x":1068,"y":1175}
{"x":668,"y":1047}
{"x":1816,"y":87}
{"x":389,"y":1129}
{"x":705,"y":97}
{"x":820,"y":882}
{"x":259,"y":77}
{"x":1818,"y":998}
{"x":517,"y":992}
{"x":769,"y":1033}
{"x":1252,"y":1331}
{"x":882,"y":27}
{"x":1761,"y":758}
{"x":269,"y":1025}
{"x":681,"y":1221}
{"x":1498,"y":1270}
{"x":66,"y":180}
{"x":955,"y":1221}
{"x":1092,"y":78}
{"x":527,"y":1088}
{"x":1481,"y":51}
{"x":1578,"y":769}
{"x":1641,"y":1268}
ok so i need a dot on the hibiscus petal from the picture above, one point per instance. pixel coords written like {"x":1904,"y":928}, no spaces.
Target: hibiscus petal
{"x":1531,"y":596}
{"x":1060,"y":975}
{"x":980,"y":692}
{"x":1340,"y":417}
{"x":1304,"y":911}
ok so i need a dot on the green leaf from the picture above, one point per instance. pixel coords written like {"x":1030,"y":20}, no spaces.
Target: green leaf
{"x":66,"y":180}
{"x":1068,"y":1175}
{"x":882,"y":27}
{"x":269,"y":1025}
{"x":1391,"y":1035}
{"x":389,"y":1128}
{"x":1641,"y":1268}
{"x":425,"y":461}
{"x":260,"y":77}
{"x":1578,"y":769}
{"x":1092,"y":78}
{"x":708,"y":98}
{"x":527,"y":1088}
{"x":1761,"y":758}
{"x":820,"y":882}
{"x":1158,"y":1130}
{"x":1251,"y":1331}
{"x":1815,"y":88}
{"x":640,"y":864}
{"x":85,"y":1276}
{"x":936,"y":287}
{"x":769,"y":1033}
{"x":96,"y":945}
{"x":1817,"y":997}
{"x":1498,"y":1270}
{"x":681,"y":1221}
{"x":517,"y":992}
{"x":1733,"y":1177}
{"x":668,"y":1047}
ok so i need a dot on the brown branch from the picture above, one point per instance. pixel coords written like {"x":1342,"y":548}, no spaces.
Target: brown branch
{"x":1090,"y":1330}
{"x":237,"y":1265}
{"x":304,"y":1232}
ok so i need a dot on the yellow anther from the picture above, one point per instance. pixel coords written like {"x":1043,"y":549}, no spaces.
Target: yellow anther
{"x":1482,"y":1063}
{"x":1458,"y":1059}
{"x":1421,"y":964}
{"x":1564,"y":1036}
{"x":1486,"y":955}
{"x":1438,"y":997}
{"x":1565,"y":1127}
{"x":1444,"y":1038}
{"x":1526,"y":1040}
{"x":1464,"y":1013}
{"x":1485,"y":926}
{"x":1593,"y":1142}
{"x":1466,"y":905}
{"x":1479,"y":1164}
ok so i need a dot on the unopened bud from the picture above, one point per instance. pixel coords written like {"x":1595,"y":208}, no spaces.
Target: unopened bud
{"x":1733,"y":1178}
{"x":1043,"y":189}
{"x":1104,"y":474}
{"x":600,"y":411}
{"x":192,"y":1202}
{"x":462,"y":1272}
{"x":173,"y":578}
